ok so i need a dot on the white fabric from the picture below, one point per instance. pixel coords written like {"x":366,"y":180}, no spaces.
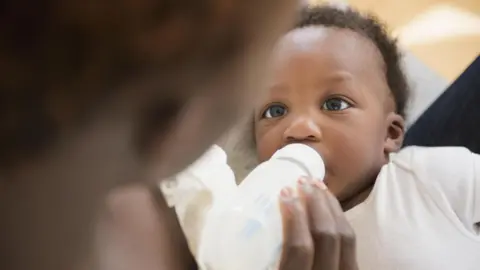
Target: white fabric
{"x":193,"y":192}
{"x":422,"y":212}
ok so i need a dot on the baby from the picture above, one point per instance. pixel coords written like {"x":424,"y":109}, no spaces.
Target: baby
{"x":337,"y":86}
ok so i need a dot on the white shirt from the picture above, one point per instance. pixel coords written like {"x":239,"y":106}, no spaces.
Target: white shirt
{"x":422,"y":213}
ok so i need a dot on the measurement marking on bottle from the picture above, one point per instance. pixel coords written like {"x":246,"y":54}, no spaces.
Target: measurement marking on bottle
{"x":251,"y":228}
{"x":263,"y":204}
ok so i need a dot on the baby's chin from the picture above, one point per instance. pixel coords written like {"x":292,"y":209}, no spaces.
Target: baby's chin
{"x":335,"y":186}
{"x":330,"y":182}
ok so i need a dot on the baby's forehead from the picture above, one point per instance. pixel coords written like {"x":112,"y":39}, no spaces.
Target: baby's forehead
{"x":323,"y":56}
{"x":330,"y":43}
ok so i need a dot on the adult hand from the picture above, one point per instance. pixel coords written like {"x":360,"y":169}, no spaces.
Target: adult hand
{"x":317,"y":235}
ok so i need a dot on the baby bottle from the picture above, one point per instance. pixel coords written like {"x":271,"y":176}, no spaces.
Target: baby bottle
{"x":245,"y":231}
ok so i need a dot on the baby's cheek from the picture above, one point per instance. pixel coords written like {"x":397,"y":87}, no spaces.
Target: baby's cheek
{"x":353,"y":157}
{"x":265,"y":149}
{"x":267,"y":142}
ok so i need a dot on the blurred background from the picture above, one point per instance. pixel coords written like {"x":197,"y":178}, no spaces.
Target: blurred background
{"x":440,"y":39}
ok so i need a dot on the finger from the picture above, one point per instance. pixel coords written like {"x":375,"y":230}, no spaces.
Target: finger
{"x":323,"y":227}
{"x":347,"y":236}
{"x":297,"y":253}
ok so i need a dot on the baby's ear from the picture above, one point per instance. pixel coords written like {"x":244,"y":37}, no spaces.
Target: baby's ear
{"x":395,"y":132}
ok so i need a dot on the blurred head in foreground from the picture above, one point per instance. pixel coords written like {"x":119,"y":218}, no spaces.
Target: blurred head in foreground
{"x":94,"y":94}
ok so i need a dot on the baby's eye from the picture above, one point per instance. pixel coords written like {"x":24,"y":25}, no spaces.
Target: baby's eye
{"x":335,"y":104}
{"x":273,"y":111}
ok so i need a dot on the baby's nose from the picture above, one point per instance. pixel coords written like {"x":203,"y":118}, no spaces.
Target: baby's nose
{"x":302,"y":129}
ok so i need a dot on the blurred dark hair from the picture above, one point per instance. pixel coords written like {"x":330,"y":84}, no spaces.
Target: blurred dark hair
{"x":62,"y":60}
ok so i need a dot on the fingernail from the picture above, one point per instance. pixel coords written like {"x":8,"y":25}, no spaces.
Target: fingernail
{"x":321,"y":185}
{"x":286,"y":194}
{"x":302,"y":180}
{"x":305,"y":185}
{"x":288,"y":202}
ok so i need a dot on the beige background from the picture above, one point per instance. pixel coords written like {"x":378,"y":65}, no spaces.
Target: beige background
{"x":459,"y":21}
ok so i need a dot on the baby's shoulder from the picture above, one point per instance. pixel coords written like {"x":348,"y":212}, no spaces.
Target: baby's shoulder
{"x":451,"y":175}
{"x":435,"y":159}
{"x":447,"y":168}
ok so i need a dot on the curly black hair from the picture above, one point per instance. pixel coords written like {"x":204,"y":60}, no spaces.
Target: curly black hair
{"x":370,"y":27}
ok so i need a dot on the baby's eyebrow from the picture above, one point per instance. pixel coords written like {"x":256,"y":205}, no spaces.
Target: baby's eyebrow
{"x":278,"y":88}
{"x":343,"y":78}
{"x":338,"y":76}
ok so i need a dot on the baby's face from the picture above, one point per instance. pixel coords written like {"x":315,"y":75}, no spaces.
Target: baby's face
{"x":329,"y":91}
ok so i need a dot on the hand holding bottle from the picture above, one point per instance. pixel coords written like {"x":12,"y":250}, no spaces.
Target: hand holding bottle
{"x":317,"y":235}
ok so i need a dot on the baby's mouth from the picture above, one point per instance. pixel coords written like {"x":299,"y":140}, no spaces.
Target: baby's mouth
{"x":325,"y":181}
{"x":327,"y":178}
